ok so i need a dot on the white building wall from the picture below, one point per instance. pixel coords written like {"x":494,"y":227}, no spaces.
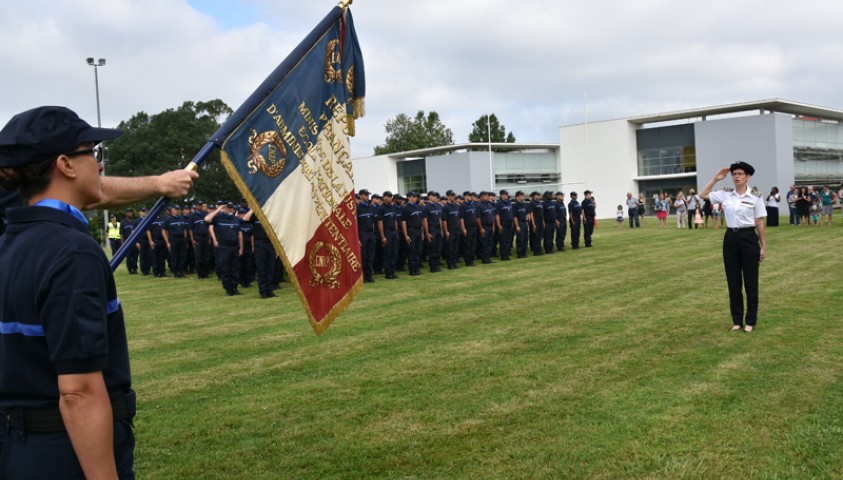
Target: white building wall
{"x":377,"y":174}
{"x":601,"y":157}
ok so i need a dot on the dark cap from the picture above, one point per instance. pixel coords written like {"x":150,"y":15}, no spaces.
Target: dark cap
{"x":587,"y":192}
{"x":363,"y":192}
{"x":504,"y":192}
{"x":412,"y":194}
{"x":534,"y":193}
{"x":130,"y":209}
{"x":221,"y":202}
{"x":560,"y":193}
{"x":199,"y":202}
{"x":142,"y":209}
{"x":230,"y":205}
{"x":450,"y":193}
{"x":519,"y":193}
{"x":45,"y":132}
{"x":747,"y":168}
{"x":387,"y":193}
{"x":573,"y":194}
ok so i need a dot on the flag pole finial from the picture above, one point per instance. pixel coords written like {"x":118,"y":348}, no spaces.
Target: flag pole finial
{"x":345,"y":3}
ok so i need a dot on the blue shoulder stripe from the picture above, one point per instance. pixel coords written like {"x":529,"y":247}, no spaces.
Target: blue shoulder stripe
{"x":112,"y":306}
{"x":27,"y":330}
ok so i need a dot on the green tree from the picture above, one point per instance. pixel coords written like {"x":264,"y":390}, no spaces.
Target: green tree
{"x":405,"y":133}
{"x":480,"y":131}
{"x":152,"y":144}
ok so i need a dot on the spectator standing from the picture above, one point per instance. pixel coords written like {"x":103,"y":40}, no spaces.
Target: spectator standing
{"x":632,"y":211}
{"x":773,"y":200}
{"x":791,"y":197}
{"x":620,"y":215}
{"x":803,"y":206}
{"x":693,"y":201}
{"x":642,"y":209}
{"x":681,"y":207}
{"x":662,"y":209}
{"x":706,"y":212}
{"x":827,"y":198}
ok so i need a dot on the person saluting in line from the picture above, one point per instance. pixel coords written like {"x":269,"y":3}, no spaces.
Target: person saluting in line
{"x":742,"y":254}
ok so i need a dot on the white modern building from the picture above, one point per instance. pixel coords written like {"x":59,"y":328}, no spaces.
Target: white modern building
{"x":787,"y":142}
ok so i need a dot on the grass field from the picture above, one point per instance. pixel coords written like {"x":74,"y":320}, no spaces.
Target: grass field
{"x":609,"y":362}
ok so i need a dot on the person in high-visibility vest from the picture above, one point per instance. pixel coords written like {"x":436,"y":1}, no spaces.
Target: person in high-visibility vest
{"x":114,"y":234}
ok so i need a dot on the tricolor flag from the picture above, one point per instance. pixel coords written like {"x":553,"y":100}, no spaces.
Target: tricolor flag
{"x":289,"y":156}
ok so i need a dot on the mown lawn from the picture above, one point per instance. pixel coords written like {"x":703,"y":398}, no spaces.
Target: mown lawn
{"x":609,"y":362}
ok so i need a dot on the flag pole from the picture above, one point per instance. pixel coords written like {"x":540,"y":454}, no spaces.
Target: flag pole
{"x":345,"y":3}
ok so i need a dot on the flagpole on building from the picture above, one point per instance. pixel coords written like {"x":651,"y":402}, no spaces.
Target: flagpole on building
{"x":491,"y":163}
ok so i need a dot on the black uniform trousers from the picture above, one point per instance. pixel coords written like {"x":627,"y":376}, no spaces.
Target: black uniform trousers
{"x":536,"y":237}
{"x":452,"y":247}
{"x":227,"y":256}
{"x":132,"y":260}
{"x":549,"y":230}
{"x":28,"y":455}
{"x":741,"y":255}
{"x":378,"y":264}
{"x":202,"y":252}
{"x":367,"y":251}
{"x":486,"y":243}
{"x":588,"y":230}
{"x":575,"y":234}
{"x":190,"y":259}
{"x":522,"y":239}
{"x":159,"y":256}
{"x":178,"y":256}
{"x":390,"y":252}
{"x":434,"y":250}
{"x":414,"y":250}
{"x":265,"y":265}
{"x":115,"y":245}
{"x":469,"y":245}
{"x":247,"y":264}
{"x":401,"y":256}
{"x":145,"y":257}
{"x":561,"y":232}
{"x":505,"y":242}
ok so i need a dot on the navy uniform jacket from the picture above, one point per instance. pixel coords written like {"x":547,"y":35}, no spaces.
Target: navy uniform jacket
{"x":588,"y":208}
{"x":198,"y":224}
{"x":8,"y":199}
{"x":127,"y":227}
{"x":412,"y":214}
{"x":433,"y":213}
{"x":246,"y":228}
{"x":176,"y":226}
{"x":451,"y":212}
{"x":561,"y":211}
{"x":156,"y":227}
{"x":388,"y":214}
{"x":66,"y":317}
{"x":505,"y":211}
{"x":225,"y":228}
{"x":365,"y":217}
{"x":574,"y":211}
{"x":537,"y":209}
{"x":468,"y":211}
{"x":520,"y":209}
{"x":549,"y":212}
{"x":487,"y":214}
{"x":257,"y":229}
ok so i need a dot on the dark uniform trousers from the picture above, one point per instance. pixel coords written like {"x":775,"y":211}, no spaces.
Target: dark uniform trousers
{"x":28,"y":455}
{"x":265,"y":265}
{"x":486,"y":243}
{"x":159,"y":256}
{"x":190,"y":258}
{"x":452,"y":247}
{"x":469,"y":245}
{"x":588,"y":230}
{"x":178,"y":255}
{"x":378,"y":263}
{"x":521,"y":239}
{"x":741,"y":253}
{"x":549,"y":230}
{"x":561,"y":232}
{"x":132,"y":259}
{"x":496,"y":240}
{"x":247,"y":264}
{"x":367,"y":251}
{"x":536,"y":237}
{"x":227,"y":256}
{"x":202,"y":252}
{"x":505,"y":242}
{"x":145,"y":257}
{"x":390,"y":252}
{"x":414,"y":250}
{"x":401,"y":256}
{"x":434,"y":250}
{"x":575,"y":234}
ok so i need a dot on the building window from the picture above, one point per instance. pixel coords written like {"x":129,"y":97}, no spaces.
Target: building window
{"x":412,"y":176}
{"x":817,"y":152}
{"x":666,"y":150}
{"x":519,"y":168}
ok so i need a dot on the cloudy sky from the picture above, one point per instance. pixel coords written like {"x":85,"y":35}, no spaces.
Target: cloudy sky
{"x":532,"y":62}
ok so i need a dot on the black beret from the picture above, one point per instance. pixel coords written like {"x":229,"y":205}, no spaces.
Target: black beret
{"x":747,"y":168}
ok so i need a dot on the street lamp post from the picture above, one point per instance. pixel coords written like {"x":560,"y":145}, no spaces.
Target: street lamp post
{"x":100,"y":63}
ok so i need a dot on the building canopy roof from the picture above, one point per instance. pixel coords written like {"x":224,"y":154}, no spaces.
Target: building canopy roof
{"x":497,"y":147}
{"x":772,"y":105}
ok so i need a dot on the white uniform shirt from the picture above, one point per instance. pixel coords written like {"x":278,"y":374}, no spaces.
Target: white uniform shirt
{"x":740,"y":210}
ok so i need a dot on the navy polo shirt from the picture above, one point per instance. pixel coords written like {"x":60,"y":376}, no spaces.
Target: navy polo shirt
{"x":176,"y":226}
{"x":520,"y":211}
{"x":257,"y":229}
{"x":412,"y":214}
{"x":387,"y":215}
{"x":561,"y":211}
{"x":246,"y":228}
{"x":59,"y":312}
{"x":127,"y":226}
{"x":487,"y":214}
{"x":549,"y":212}
{"x":8,"y":199}
{"x":575,"y":211}
{"x":537,"y":209}
{"x":365,"y":218}
{"x":504,"y":210}
{"x":226,"y":228}
{"x":468,"y":210}
{"x":156,"y":227}
{"x":198,"y":225}
{"x":433,"y":213}
{"x":588,"y":207}
{"x":452,"y":216}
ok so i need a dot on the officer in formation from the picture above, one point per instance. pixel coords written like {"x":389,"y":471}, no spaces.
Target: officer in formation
{"x":575,"y":220}
{"x":127,"y":226}
{"x":155,"y":235}
{"x":536,"y":214}
{"x":451,"y":217}
{"x":561,"y":221}
{"x":201,"y":240}
{"x":432,"y":227}
{"x":264,"y":256}
{"x":505,"y":225}
{"x":468,"y":210}
{"x":366,"y":233}
{"x":588,"y":214}
{"x":388,"y":215}
{"x":246,"y":272}
{"x":411,"y":226}
{"x":522,"y":224}
{"x":175,"y":237}
{"x":227,"y":238}
{"x":144,"y":247}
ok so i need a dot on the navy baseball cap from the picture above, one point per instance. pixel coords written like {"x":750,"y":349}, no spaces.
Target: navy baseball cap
{"x":142,"y":209}
{"x":504,"y":192}
{"x":412,"y":194}
{"x":363,"y":192}
{"x":41,"y":133}
{"x":387,"y":193}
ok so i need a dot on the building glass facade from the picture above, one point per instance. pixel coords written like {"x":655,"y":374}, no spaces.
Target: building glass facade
{"x":817,"y":152}
{"x":526,"y":168}
{"x":412,"y":176}
{"x":666,"y":150}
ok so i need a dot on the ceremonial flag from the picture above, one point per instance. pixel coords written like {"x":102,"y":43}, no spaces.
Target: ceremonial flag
{"x":288,"y":153}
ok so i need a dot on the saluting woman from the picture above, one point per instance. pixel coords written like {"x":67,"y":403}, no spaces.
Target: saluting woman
{"x":65,"y":383}
{"x":742,"y":253}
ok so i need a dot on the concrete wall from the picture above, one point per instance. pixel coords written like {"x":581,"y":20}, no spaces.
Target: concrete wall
{"x":763,"y":141}
{"x":601,"y":157}
{"x":376,"y":174}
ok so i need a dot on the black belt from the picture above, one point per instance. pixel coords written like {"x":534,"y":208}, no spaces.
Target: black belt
{"x":741,"y":229}
{"x":48,"y":420}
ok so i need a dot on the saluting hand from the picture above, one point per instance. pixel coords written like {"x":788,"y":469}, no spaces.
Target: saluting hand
{"x":722,"y":174}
